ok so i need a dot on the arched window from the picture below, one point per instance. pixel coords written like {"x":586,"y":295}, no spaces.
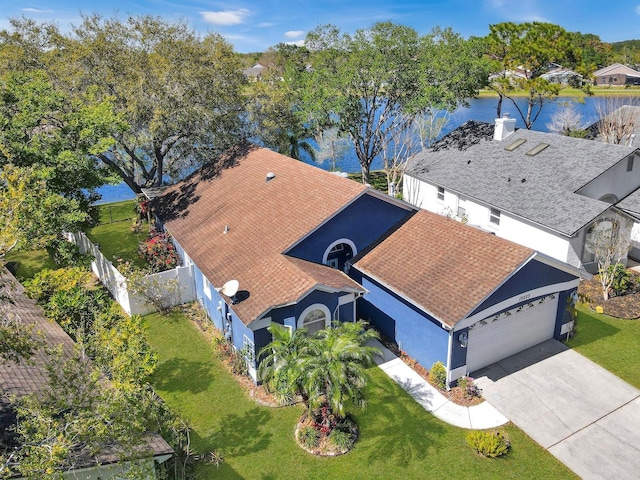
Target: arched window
{"x":609,"y":198}
{"x":337,"y":254}
{"x":314,"y":318}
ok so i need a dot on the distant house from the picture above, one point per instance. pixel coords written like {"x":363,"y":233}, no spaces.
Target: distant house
{"x":617,"y":75}
{"x":547,"y":192}
{"x":255,"y":72}
{"x":563,"y":76}
{"x":273,"y":240}
{"x":20,"y":379}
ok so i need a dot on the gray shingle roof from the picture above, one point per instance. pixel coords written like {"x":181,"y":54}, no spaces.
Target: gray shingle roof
{"x":539,"y":188}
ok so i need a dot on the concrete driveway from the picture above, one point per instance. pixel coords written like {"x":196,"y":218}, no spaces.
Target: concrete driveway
{"x":585,"y":416}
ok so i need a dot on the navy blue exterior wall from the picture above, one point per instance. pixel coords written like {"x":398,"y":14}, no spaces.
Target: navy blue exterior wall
{"x":565,"y":302}
{"x":458,"y":352}
{"x":533,"y":275}
{"x":289,"y":315}
{"x":415,"y":332}
{"x":362,"y":222}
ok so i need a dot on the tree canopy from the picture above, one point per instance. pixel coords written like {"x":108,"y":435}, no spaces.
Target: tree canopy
{"x":521,"y":53}
{"x":370,"y":84}
{"x":180,"y":93}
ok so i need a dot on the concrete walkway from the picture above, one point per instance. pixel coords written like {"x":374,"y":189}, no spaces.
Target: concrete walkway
{"x":479,"y":417}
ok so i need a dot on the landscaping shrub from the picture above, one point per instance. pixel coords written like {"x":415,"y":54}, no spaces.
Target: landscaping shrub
{"x":490,"y":444}
{"x":309,"y":436}
{"x":159,"y":252}
{"x":76,"y":309}
{"x":469,"y":388}
{"x":47,"y":282}
{"x":67,"y":254}
{"x":621,"y":278}
{"x":341,"y":440}
{"x":438,"y":375}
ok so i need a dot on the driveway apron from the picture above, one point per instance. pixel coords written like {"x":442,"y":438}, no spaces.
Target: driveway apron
{"x":582,"y":414}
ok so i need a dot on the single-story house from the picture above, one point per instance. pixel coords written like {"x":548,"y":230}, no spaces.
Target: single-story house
{"x":18,"y":379}
{"x":544,"y":191}
{"x":563,"y":76}
{"x":617,"y":75}
{"x":270,"y":238}
{"x":467,"y":298}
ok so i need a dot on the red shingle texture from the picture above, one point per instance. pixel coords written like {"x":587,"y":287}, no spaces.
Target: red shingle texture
{"x":263,"y":217}
{"x":443,"y":266}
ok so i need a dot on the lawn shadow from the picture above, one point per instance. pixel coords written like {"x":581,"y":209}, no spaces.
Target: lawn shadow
{"x":589,"y":329}
{"x":397,"y":426}
{"x":180,"y":375}
{"x":243,"y":434}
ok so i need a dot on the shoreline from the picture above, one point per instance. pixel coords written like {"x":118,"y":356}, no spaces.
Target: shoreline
{"x":575,"y":92}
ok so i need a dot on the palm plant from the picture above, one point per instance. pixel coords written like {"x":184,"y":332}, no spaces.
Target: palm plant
{"x":278,"y":361}
{"x":331,"y":371}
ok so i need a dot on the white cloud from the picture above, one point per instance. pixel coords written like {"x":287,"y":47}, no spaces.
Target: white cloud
{"x":638,"y":9}
{"x":36,"y":10}
{"x":227,"y":17}
{"x":265,"y":25}
{"x":294,"y":33}
{"x":297,"y":43}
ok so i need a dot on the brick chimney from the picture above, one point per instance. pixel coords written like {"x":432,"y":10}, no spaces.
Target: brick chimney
{"x":505,"y":126}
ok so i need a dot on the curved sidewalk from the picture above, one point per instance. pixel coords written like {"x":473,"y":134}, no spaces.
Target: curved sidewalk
{"x":478,"y":417}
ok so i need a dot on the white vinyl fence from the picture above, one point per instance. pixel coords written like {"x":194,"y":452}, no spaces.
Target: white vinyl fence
{"x":179,"y":283}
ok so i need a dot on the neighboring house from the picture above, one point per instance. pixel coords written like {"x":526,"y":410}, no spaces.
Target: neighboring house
{"x":287,"y":231}
{"x":254,"y":73}
{"x":544,"y":191}
{"x":617,"y":75}
{"x":20,"y":379}
{"x":563,"y":76}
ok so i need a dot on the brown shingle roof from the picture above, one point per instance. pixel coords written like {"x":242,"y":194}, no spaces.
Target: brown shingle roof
{"x":263,"y":219}
{"x":453,"y":267}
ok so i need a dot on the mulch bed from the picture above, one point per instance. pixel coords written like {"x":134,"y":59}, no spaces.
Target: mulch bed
{"x":454,"y":394}
{"x":623,"y":306}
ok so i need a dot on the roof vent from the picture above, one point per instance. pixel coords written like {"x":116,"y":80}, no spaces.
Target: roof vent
{"x":270,"y":176}
{"x":537,"y":149}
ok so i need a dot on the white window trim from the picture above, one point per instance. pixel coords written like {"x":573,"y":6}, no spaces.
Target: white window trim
{"x":309,"y":309}
{"x":438,"y":199}
{"x":338,"y":242}
{"x":246,"y":341}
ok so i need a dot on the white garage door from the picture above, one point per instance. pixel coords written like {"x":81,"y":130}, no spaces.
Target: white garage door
{"x":500,"y":336}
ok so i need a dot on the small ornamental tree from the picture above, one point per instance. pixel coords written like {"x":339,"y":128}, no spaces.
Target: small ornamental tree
{"x":159,"y":252}
{"x":608,"y":239}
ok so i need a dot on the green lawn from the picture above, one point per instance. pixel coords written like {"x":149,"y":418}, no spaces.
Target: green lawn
{"x":29,"y":263}
{"x":611,"y":342}
{"x":398,"y":439}
{"x":114,"y":233}
{"x":576,"y":92}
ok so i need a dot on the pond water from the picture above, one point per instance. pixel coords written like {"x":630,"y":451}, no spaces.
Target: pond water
{"x":480,"y":109}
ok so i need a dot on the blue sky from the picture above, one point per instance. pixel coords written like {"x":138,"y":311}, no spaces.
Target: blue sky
{"x":254,"y":25}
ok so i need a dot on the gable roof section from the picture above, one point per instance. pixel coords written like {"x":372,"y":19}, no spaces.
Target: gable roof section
{"x":616,"y":69}
{"x":538,"y":188}
{"x":263,"y":218}
{"x":453,"y":266}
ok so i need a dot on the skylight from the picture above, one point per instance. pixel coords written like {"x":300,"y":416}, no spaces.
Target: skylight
{"x":514,"y":145}
{"x":537,"y":149}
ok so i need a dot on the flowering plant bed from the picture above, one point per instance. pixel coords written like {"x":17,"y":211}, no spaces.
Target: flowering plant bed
{"x":322,"y":441}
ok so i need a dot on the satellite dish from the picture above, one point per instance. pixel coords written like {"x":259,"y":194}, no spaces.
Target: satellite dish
{"x":230,"y":289}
